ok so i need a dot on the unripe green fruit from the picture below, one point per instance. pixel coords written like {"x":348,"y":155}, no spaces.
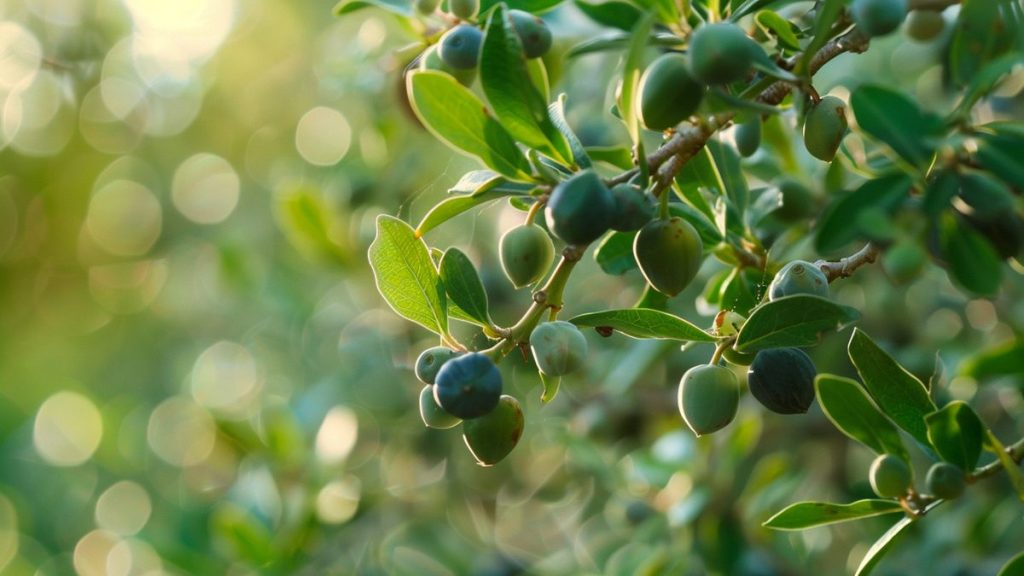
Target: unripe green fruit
{"x":432,"y":414}
{"x":669,"y":253}
{"x":580,"y":209}
{"x":430,"y":361}
{"x":798,"y":277}
{"x":534,"y":34}
{"x":427,"y":7}
{"x":797,"y":201}
{"x":890,"y":476}
{"x":708,"y":398}
{"x":633,"y":208}
{"x":668,"y":93}
{"x":748,"y":137}
{"x":558,"y":347}
{"x":464,"y":9}
{"x":782,"y":380}
{"x":904,"y":261}
{"x":721,"y":53}
{"x":526,"y":254}
{"x":460,"y":46}
{"x":878,"y":17}
{"x":491,"y":437}
{"x":468,"y":386}
{"x":945,"y":481}
{"x":431,"y":60}
{"x":925,"y":25}
{"x":825,"y":127}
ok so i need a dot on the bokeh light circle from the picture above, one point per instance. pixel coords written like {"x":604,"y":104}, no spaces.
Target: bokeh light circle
{"x":205,"y":189}
{"x":124,"y":218}
{"x":123,"y":508}
{"x":323,"y":136}
{"x":180,"y":432}
{"x":225,"y":377}
{"x":67,"y":429}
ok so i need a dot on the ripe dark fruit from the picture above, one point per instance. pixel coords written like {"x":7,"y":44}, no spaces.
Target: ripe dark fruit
{"x":431,"y":60}
{"x":464,"y":9}
{"x":558,"y":347}
{"x":798,"y":201}
{"x":890,"y":476}
{"x":925,"y":25}
{"x":798,"y":277}
{"x":491,"y":437}
{"x":721,"y":53}
{"x":782,"y":380}
{"x":945,"y":481}
{"x":468,"y":386}
{"x":669,"y":253}
{"x":748,"y":137}
{"x":534,"y":34}
{"x":633,"y":208}
{"x":708,"y":398}
{"x":460,"y":46}
{"x":526,"y":254}
{"x":878,"y":17}
{"x":580,"y":209}
{"x":825,"y":127}
{"x":430,"y":361}
{"x":432,"y":414}
{"x":668,"y":93}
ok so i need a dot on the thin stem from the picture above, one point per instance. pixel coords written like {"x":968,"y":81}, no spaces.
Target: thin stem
{"x":845,"y":267}
{"x":535,"y":209}
{"x":1016,"y":452}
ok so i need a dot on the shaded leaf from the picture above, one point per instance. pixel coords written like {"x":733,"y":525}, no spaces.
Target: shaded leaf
{"x":612,"y":13}
{"x":957,"y":433}
{"x":793,"y":321}
{"x":849,"y":408}
{"x":973,"y":263}
{"x":463,"y":285}
{"x":840,"y":224}
{"x":1012,"y":468}
{"x":615,"y":253}
{"x":1002,"y":360}
{"x":1014,"y":567}
{"x":895,"y":120}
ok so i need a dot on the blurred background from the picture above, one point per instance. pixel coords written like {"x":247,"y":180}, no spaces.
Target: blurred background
{"x":198,"y":377}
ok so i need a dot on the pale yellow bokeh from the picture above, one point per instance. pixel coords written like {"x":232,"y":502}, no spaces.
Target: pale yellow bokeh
{"x":68,"y":429}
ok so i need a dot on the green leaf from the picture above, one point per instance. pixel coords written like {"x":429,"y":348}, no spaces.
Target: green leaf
{"x":849,"y":408}
{"x":840,"y":225}
{"x":1012,"y":468}
{"x":986,"y":81}
{"x":940,"y":191}
{"x":506,"y":82}
{"x":782,"y":29}
{"x":458,"y":118}
{"x":451,"y":207}
{"x":700,"y":172}
{"x":956,"y":432}
{"x":615,"y":253}
{"x":895,"y":120}
{"x":644,"y":323}
{"x":709,"y":233}
{"x":827,"y":12}
{"x":463,"y":285}
{"x":1005,"y":359}
{"x":531,"y":6}
{"x":613,"y":13}
{"x":973,"y":262}
{"x":400,"y":7}
{"x":882,"y":545}
{"x":557,"y":112}
{"x":737,"y":292}
{"x":620,"y":40}
{"x":981,"y":35}
{"x":311,"y":226}
{"x":1000,"y":153}
{"x":617,"y":156}
{"x":1014,"y":567}
{"x":405,"y":275}
{"x":793,"y":321}
{"x":727,"y":164}
{"x":476,"y":181}
{"x":551,"y":385}
{"x":900,"y":395}
{"x":803,"y":515}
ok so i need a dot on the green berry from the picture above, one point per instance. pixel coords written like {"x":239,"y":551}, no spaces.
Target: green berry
{"x":526,"y":254}
{"x":708,"y":398}
{"x":890,"y":476}
{"x":427,"y":7}
{"x":460,"y":46}
{"x":468,"y":386}
{"x":668,"y":93}
{"x":721,"y":53}
{"x":945,"y":481}
{"x":633,"y":208}
{"x":925,"y":25}
{"x":430,"y":361}
{"x":431,"y":60}
{"x":580,"y":209}
{"x":748,"y":137}
{"x":464,"y":9}
{"x":534,"y":34}
{"x":782,"y":380}
{"x":878,"y":17}
{"x":432,"y":414}
{"x":558,"y":347}
{"x":491,"y":437}
{"x":824,"y":128}
{"x":669,"y":253}
{"x":798,"y":277}
{"x":904,"y":261}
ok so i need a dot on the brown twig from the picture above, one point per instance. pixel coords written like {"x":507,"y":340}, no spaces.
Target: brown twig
{"x":845,"y":267}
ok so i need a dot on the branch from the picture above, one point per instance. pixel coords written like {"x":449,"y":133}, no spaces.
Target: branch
{"x":1016,"y":452}
{"x":845,"y":267}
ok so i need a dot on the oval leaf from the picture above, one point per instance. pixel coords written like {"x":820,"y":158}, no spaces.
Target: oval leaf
{"x":956,"y":433}
{"x":895,"y":120}
{"x":644,"y":323}
{"x":803,"y":515}
{"x":615,"y":253}
{"x":849,"y":408}
{"x":882,"y":545}
{"x":1015,"y":567}
{"x":973,"y":262}
{"x":793,"y":321}
{"x":463,"y":285}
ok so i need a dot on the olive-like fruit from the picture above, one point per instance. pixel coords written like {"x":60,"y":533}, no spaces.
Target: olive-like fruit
{"x":798,"y":277}
{"x":721,"y":53}
{"x":468,"y":386}
{"x":533,"y":32}
{"x":748,"y":137}
{"x":945,"y":481}
{"x":878,"y":17}
{"x":824,"y":128}
{"x":490,"y":438}
{"x":890,"y":476}
{"x":460,"y":46}
{"x":580,"y":209}
{"x":782,"y":380}
{"x":558,"y":347}
{"x":798,"y":201}
{"x":669,"y":253}
{"x":925,"y":25}
{"x":904,"y":261}
{"x":633,"y":208}
{"x":526,"y":254}
{"x":431,"y":60}
{"x":427,"y":7}
{"x":434,"y":416}
{"x":464,"y":9}
{"x":709,"y":397}
{"x":668,"y":93}
{"x":430,"y":361}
